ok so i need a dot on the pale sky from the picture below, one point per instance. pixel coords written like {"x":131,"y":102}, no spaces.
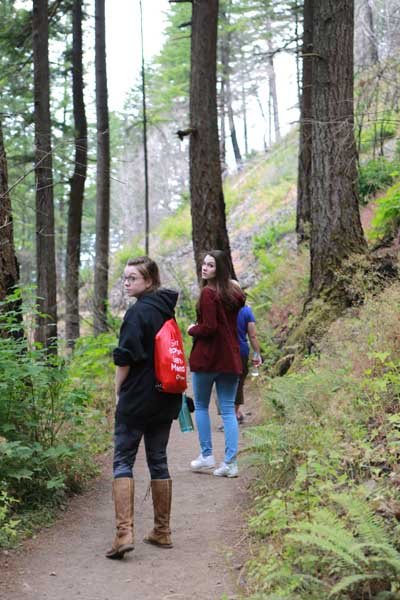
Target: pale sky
{"x":124,"y":61}
{"x":123,"y":42}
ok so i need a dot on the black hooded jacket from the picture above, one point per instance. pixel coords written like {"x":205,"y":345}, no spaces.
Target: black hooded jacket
{"x":139,"y":402}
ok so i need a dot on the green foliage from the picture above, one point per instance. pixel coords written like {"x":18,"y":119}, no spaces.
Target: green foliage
{"x":358,"y":550}
{"x":168,"y":81}
{"x":274,"y":234}
{"x":177,"y":228}
{"x":53,"y":420}
{"x":377,"y":132}
{"x":386,"y":221}
{"x":376,"y":175}
{"x":324,"y":523}
{"x":8,"y":525}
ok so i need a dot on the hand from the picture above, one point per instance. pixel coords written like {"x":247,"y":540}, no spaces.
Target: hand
{"x":256,"y":360}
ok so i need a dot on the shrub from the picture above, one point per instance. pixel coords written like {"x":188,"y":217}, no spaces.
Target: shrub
{"x":324,"y":522}
{"x":373,"y":135}
{"x":376,"y":175}
{"x":53,"y":420}
{"x":386,"y":221}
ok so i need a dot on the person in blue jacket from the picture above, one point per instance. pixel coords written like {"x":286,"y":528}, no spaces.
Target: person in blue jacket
{"x":246,"y":326}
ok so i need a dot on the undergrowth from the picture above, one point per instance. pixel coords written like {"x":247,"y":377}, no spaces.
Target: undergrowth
{"x":325,"y":518}
{"x":53,"y":422}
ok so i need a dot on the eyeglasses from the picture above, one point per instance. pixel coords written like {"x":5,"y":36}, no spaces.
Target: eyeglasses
{"x":131,"y":279}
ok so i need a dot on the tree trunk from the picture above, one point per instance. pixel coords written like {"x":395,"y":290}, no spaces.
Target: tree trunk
{"x":207,"y":198}
{"x":222,"y":129}
{"x":244,"y":113}
{"x":272,"y":86}
{"x":145,"y":152}
{"x":9,"y":270}
{"x":235,"y":145}
{"x":46,"y":331}
{"x":303,"y":215}
{"x":77,"y":183}
{"x":370,"y":46}
{"x":336,"y":231}
{"x":103,"y":175}
{"x":225,"y":75}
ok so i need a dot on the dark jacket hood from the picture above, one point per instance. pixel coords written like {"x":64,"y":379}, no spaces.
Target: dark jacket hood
{"x":163,"y":299}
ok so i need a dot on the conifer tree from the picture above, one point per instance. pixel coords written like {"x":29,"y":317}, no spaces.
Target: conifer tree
{"x":103,"y":175}
{"x":46,"y":331}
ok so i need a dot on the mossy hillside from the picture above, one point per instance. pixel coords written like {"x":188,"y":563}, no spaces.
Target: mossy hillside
{"x":328,"y":453}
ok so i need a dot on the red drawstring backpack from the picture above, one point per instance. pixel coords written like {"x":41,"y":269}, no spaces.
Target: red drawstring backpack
{"x":169,"y":359}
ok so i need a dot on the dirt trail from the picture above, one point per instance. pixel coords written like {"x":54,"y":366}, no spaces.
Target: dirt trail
{"x":66,"y":562}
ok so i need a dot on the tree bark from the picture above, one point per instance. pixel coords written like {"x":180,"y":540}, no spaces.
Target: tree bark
{"x":72,"y":329}
{"x":46,"y":331}
{"x":222,"y":128}
{"x":336,"y":231}
{"x":145,"y":152}
{"x":9,"y":269}
{"x":303,"y":216}
{"x":225,"y":75}
{"x":103,"y":175}
{"x":207,"y":199}
{"x":370,"y":46}
{"x":244,"y":113}
{"x":272,"y":86}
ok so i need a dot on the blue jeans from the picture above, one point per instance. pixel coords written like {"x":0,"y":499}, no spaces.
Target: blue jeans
{"x":226,"y":386}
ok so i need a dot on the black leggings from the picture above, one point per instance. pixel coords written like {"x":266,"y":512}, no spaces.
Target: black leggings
{"x":126,"y":444}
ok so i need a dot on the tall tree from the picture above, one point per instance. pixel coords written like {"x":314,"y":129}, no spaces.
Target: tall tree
{"x":145,"y":150}
{"x":336,"y":231}
{"x":368,"y":49}
{"x":303,"y":215}
{"x":103,"y":174}
{"x":77,"y":182}
{"x":273,"y":94}
{"x":46,"y":331}
{"x":226,"y":88}
{"x":207,"y":198}
{"x":9,"y":271}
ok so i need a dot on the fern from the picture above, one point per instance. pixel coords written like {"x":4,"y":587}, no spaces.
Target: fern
{"x":329,"y":535}
{"x":350,"y":581}
{"x":362,"y":553}
{"x":368,"y":524}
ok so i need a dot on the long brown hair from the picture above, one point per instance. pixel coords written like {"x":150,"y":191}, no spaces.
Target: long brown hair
{"x":229,"y":292}
{"x":148,"y":268}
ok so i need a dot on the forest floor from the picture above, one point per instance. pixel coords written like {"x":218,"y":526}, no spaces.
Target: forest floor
{"x":66,"y":561}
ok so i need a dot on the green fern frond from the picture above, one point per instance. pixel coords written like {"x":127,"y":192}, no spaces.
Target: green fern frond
{"x":369,"y":526}
{"x":383,"y":549}
{"x":332,"y":536}
{"x":394,"y":564}
{"x":350,"y":580}
{"x":325,"y":545}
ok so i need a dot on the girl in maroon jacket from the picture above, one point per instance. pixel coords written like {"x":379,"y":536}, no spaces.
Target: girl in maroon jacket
{"x":215,"y":358}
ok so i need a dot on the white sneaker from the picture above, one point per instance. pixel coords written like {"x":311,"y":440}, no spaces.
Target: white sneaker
{"x":227,"y":470}
{"x":202,"y":463}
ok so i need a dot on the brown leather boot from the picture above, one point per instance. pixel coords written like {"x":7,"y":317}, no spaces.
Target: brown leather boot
{"x":123,"y":491}
{"x":161,"y":491}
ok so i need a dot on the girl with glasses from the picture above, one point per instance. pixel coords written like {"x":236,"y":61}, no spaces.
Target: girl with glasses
{"x":141,"y":410}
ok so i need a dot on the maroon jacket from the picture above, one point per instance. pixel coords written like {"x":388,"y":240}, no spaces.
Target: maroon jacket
{"x":216,"y":343}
